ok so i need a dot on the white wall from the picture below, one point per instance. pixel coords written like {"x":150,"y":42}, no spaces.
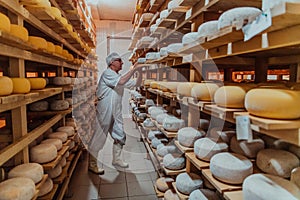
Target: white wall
{"x":114,"y":28}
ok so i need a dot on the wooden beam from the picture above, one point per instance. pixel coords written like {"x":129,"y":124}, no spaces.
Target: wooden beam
{"x":261,"y":70}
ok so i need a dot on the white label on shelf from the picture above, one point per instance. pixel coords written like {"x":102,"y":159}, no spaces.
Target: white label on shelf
{"x":188,"y":14}
{"x":243,"y":128}
{"x":187,"y":58}
{"x":264,"y":40}
{"x":206,"y":2}
{"x":229,"y":48}
{"x":261,"y":23}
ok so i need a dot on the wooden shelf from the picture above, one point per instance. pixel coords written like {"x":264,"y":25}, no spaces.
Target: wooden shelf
{"x":180,"y":195}
{"x":52,"y":164}
{"x":49,"y":113}
{"x":173,"y":172}
{"x":39,"y":185}
{"x":64,"y":174}
{"x":235,"y":195}
{"x":159,"y":194}
{"x":183,"y":149}
{"x":226,"y":114}
{"x":199,"y":164}
{"x":51,"y":194}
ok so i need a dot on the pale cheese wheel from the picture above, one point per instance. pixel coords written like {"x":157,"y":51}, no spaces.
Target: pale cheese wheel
{"x":277,"y":162}
{"x":38,"y":42}
{"x":184,"y":88}
{"x":248,"y":149}
{"x":152,"y":55}
{"x":266,"y":187}
{"x":43,"y":153}
{"x":61,"y":80}
{"x":19,"y":32}
{"x":160,"y":118}
{"x":273,"y":103}
{"x":173,"y":124}
{"x":46,"y":187}
{"x":174,"y":47}
{"x":173,"y":4}
{"x":230,"y":167}
{"x":163,"y":51}
{"x":146,"y":16}
{"x":164,"y":14}
{"x":155,"y":112}
{"x":59,"y":105}
{"x":55,"y":172}
{"x":173,"y":162}
{"x":206,"y":148}
{"x":188,"y":182}
{"x":164,"y":183}
{"x":164,"y":150}
{"x":171,"y":195}
{"x":189,"y":38}
{"x":230,"y":96}
{"x":63,"y":162}
{"x":188,"y":135}
{"x":58,"y":135}
{"x":56,"y":142}
{"x":153,"y":134}
{"x":208,"y":28}
{"x":204,"y":91}
{"x":50,"y":47}
{"x":155,"y":142}
{"x":5,"y":23}
{"x":6,"y":85}
{"x":67,"y":129}
{"x":34,"y":171}
{"x":20,"y":85}
{"x":37,"y":83}
{"x":203,"y":194}
{"x":39,"y":106}
{"x":19,"y":188}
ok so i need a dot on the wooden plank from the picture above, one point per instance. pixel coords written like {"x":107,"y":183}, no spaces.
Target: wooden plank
{"x":180,"y":195}
{"x":159,"y":194}
{"x":199,"y":104}
{"x":51,"y":194}
{"x":235,"y":195}
{"x":52,"y":164}
{"x":189,"y":3}
{"x":39,"y":185}
{"x":193,"y":47}
{"x":173,"y":172}
{"x":8,"y":39}
{"x":60,"y":179}
{"x":183,"y":149}
{"x":223,"y":113}
{"x":49,"y":113}
{"x":199,"y":164}
{"x":40,"y":12}
{"x":176,"y":13}
{"x":11,"y":98}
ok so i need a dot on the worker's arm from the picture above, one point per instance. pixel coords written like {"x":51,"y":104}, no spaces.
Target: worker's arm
{"x":125,"y":78}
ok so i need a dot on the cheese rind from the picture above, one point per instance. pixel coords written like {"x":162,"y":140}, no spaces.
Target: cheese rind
{"x":188,"y":135}
{"x":6,"y":86}
{"x":34,"y":171}
{"x":46,"y":187}
{"x":37,"y":83}
{"x":19,"y":32}
{"x":230,"y":96}
{"x":164,"y":183}
{"x":20,"y":85}
{"x":5,"y":23}
{"x":56,"y":142}
{"x":206,"y":148}
{"x":188,"y":182}
{"x":19,"y":188}
{"x":43,"y":153}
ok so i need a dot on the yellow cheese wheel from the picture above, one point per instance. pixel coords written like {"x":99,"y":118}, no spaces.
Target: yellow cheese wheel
{"x":65,"y":53}
{"x":154,"y":85}
{"x":20,"y":85}
{"x":273,"y":103}
{"x":69,"y":27}
{"x":37,"y":83}
{"x":204,"y":91}
{"x":55,"y":12}
{"x":19,"y":31}
{"x":39,"y":42}
{"x":184,"y":88}
{"x":6,"y":86}
{"x":50,"y":47}
{"x":58,"y":49}
{"x":64,"y":21}
{"x":5,"y":23}
{"x":230,"y":96}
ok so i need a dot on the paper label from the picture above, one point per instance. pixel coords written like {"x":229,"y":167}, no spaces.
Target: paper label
{"x":261,"y":23}
{"x":188,"y":14}
{"x":243,"y":128}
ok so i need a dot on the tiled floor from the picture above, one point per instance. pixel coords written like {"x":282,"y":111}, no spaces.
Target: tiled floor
{"x":133,"y":183}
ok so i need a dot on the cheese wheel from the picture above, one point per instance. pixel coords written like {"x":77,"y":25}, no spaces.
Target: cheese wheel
{"x":58,"y":49}
{"x":273,"y":103}
{"x":160,"y":118}
{"x":43,"y":153}
{"x":64,"y":21}
{"x":208,"y":28}
{"x":230,"y":167}
{"x":152,"y":55}
{"x":55,"y":172}
{"x":174,"y":47}
{"x":61,"y":80}
{"x":203,"y":194}
{"x":164,"y":183}
{"x":230,"y":96}
{"x":154,"y":134}
{"x":184,"y":88}
{"x":173,"y":162}
{"x":58,"y":135}
{"x":206,"y":148}
{"x":171,"y":195}
{"x":46,"y":187}
{"x":63,"y":162}
{"x":164,"y":150}
{"x":248,"y":149}
{"x":204,"y":91}
{"x":188,"y":182}
{"x":163,"y":52}
{"x":156,"y":112}
{"x":19,"y":32}
{"x":5,"y":23}
{"x":37,"y":83}
{"x":38,"y":42}
{"x":56,"y":142}
{"x":173,"y":123}
{"x":50,"y":47}
{"x":67,"y":129}
{"x":39,"y":106}
{"x":59,"y":105}
{"x":55,"y":12}
{"x":173,"y":4}
{"x":189,"y":38}
{"x":266,"y":187}
{"x":277,"y":162}
{"x":19,"y":188}
{"x":34,"y":171}
{"x":153,"y":85}
{"x":6,"y":85}
{"x":188,"y":135}
{"x":20,"y":85}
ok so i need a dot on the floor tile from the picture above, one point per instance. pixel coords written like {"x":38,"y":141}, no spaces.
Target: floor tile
{"x":113,"y":190}
{"x":148,"y":197}
{"x":140,"y":188}
{"x":113,"y":178}
{"x":84,"y":192}
{"x":131,"y":177}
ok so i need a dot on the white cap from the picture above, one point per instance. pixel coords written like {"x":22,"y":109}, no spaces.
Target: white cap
{"x":111,"y":57}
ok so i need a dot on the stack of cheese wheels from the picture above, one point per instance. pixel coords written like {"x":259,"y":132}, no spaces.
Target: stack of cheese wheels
{"x":56,"y":142}
{"x":67,"y":129}
{"x":174,"y":161}
{"x":46,"y":187}
{"x":208,"y":28}
{"x":206,"y":148}
{"x":154,"y":84}
{"x":203,"y":194}
{"x":188,"y":135}
{"x":277,"y":162}
{"x":248,"y":149}
{"x":230,"y":167}
{"x":204,"y":91}
{"x":173,"y":124}
{"x":188,"y":182}
{"x":59,"y":135}
{"x":19,"y":32}
{"x":6,"y":85}
{"x":59,"y":105}
{"x":61,"y":80}
{"x":21,"y":85}
{"x":273,"y":103}
{"x":38,"y":42}
{"x":164,"y":183}
{"x":50,"y":47}
{"x":55,"y":12}
{"x":34,"y":171}
{"x":184,"y":89}
{"x":230,"y":96}
{"x":58,"y":49}
{"x":20,"y":188}
{"x":37,"y":83}
{"x":55,"y":172}
{"x":5,"y":23}
{"x":43,"y":153}
{"x":171,"y":195}
{"x":265,"y":187}
{"x":160,"y":118}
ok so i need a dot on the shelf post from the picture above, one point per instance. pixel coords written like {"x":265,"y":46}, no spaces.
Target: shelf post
{"x":261,"y":70}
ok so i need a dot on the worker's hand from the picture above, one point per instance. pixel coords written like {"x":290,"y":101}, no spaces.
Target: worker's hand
{"x":136,"y":67}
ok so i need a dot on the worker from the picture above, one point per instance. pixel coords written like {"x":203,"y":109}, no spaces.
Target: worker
{"x":109,"y":110}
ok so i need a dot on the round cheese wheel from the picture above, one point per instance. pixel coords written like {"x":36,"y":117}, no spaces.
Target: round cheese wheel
{"x":206,"y":148}
{"x":20,"y":85}
{"x":59,"y":105}
{"x":174,"y":47}
{"x":155,"y":142}
{"x":6,"y":85}
{"x":184,"y":89}
{"x":164,"y":150}
{"x":164,"y":183}
{"x":203,"y":194}
{"x":173,"y":123}
{"x":160,"y":118}
{"x":37,"y":83}
{"x":67,"y":129}
{"x":148,"y":123}
{"x":204,"y":124}
{"x":39,"y":106}
{"x":171,"y":195}
{"x":230,"y":96}
{"x":188,"y":182}
{"x":50,"y":47}
{"x":163,"y":51}
{"x":46,"y":187}
{"x":294,"y":149}
{"x":55,"y":12}
{"x":19,"y":188}
{"x":265,"y":187}
{"x":173,"y":4}
{"x":208,"y":28}
{"x":5,"y":23}
{"x":163,"y":14}
{"x":230,"y":167}
{"x":173,"y":162}
{"x":188,"y":135}
{"x":155,"y":112}
{"x":58,"y":135}
{"x":38,"y":42}
{"x":61,"y":80}
{"x":56,"y":142}
{"x":248,"y":149}
{"x":19,"y":32}
{"x":58,"y":49}
{"x":277,"y":162}
{"x":273,"y":103}
{"x":55,"y":172}
{"x":63,"y":162}
{"x":189,"y":38}
{"x":34,"y":171}
{"x":204,"y":91}
{"x":43,"y":153}
{"x":154,"y":134}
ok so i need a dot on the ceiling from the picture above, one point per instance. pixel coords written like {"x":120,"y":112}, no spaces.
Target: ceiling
{"x":112,"y":9}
